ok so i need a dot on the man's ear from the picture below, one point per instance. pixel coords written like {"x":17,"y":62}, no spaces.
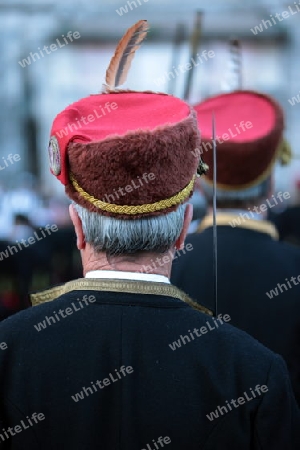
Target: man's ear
{"x":188,"y":215}
{"x":78,"y":228}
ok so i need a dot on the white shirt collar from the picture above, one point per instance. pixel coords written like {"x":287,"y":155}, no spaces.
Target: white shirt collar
{"x":135,"y":276}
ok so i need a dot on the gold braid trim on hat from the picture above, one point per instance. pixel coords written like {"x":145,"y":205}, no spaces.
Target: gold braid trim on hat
{"x":135,"y":209}
{"x":285,"y":154}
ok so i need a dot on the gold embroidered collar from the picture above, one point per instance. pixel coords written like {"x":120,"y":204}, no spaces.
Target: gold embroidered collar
{"x":127,"y":286}
{"x":227,"y":219}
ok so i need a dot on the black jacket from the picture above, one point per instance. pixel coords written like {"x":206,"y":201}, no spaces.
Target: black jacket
{"x":175,"y":384}
{"x":288,"y":224}
{"x":251,"y":264}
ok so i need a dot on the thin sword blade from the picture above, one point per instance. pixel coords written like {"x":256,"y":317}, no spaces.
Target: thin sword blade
{"x":215,"y":236}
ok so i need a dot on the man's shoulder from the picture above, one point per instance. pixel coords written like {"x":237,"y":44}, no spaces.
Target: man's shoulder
{"x":228,"y":354}
{"x":19,"y":322}
{"x":219,"y":337}
{"x":234,"y":237}
{"x":51,"y":300}
{"x":215,"y":333}
{"x":290,"y":249}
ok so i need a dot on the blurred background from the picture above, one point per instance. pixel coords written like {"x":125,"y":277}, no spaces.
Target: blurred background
{"x":36,"y":84}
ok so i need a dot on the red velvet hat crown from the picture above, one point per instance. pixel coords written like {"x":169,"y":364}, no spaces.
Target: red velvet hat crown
{"x":249,"y":127}
{"x":126,"y":154}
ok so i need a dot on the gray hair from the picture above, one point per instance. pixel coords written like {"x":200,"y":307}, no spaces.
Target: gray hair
{"x":120,"y":237}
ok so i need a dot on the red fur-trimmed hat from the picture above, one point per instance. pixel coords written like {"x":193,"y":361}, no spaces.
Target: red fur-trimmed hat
{"x":126,"y":154}
{"x":249,"y":128}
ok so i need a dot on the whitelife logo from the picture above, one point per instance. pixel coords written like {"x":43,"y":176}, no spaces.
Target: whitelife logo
{"x":3,"y":346}
{"x":85,"y":120}
{"x":24,"y":425}
{"x":274,"y":292}
{"x":53,"y":47}
{"x":11,"y":250}
{"x":9,"y":160}
{"x":201,"y":331}
{"x":158,"y":444}
{"x":260,"y":209}
{"x":63,"y":313}
{"x":183,"y":68}
{"x":238,"y":402}
{"x":265,"y":24}
{"x":292,"y":101}
{"x":102,"y":384}
{"x":124,"y":9}
{"x":144,"y":179}
{"x":231,"y":133}
{"x":165,"y":259}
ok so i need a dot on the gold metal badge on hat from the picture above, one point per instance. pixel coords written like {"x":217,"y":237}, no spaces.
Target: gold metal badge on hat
{"x":54,"y":156}
{"x":202,"y":168}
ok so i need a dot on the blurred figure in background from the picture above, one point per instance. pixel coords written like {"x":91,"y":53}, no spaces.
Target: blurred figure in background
{"x":20,"y":204}
{"x":26,"y":259}
{"x":288,"y":221}
{"x":257,"y":275}
{"x":24,"y":210}
{"x":22,"y":198}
